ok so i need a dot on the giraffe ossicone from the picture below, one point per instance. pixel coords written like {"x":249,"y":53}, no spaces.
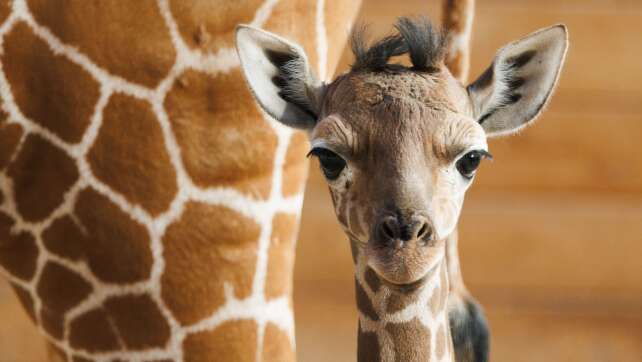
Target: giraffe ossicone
{"x":399,"y":146}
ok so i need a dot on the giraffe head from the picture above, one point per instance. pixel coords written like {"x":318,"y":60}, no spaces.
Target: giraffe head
{"x":399,"y":145}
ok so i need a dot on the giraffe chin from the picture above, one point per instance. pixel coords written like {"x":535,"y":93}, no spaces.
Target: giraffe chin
{"x":401,"y":277}
{"x":404,"y":268}
{"x":404,"y":287}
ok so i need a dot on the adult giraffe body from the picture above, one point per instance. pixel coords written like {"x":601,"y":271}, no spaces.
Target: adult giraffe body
{"x":148,"y":209}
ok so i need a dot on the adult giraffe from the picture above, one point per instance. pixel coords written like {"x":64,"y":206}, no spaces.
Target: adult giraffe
{"x":148,"y":209}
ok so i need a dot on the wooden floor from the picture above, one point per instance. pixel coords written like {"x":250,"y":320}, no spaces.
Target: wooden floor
{"x":551,"y":234}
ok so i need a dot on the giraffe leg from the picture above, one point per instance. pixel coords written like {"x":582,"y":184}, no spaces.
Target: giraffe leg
{"x":469,"y":329}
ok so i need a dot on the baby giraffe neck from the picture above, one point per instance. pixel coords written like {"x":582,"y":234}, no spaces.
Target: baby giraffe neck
{"x":407,"y":323}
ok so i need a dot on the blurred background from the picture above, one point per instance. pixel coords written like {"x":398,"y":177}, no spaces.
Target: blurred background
{"x":551,"y":232}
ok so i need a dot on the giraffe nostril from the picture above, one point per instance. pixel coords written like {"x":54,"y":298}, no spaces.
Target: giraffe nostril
{"x":424,"y":231}
{"x":388,"y":230}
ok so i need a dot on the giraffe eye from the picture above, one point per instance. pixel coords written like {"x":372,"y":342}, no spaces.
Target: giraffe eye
{"x":331,"y":163}
{"x":468,"y":163}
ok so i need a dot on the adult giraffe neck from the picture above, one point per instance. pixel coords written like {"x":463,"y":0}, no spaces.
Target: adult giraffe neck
{"x":457,"y":22}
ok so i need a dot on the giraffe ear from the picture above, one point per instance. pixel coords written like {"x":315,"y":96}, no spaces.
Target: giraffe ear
{"x":515,"y":88}
{"x":278,"y":73}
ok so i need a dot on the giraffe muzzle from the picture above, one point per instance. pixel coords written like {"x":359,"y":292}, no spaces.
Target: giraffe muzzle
{"x":397,"y":232}
{"x":401,"y":247}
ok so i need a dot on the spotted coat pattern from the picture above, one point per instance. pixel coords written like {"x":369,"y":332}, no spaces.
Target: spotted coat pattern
{"x":148,"y":209}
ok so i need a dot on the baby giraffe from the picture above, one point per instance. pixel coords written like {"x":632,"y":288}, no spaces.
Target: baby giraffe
{"x":399,"y":147}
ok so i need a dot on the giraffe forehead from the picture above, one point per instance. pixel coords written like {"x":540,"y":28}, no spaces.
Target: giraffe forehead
{"x":397,"y":111}
{"x":374,"y":88}
{"x":353,"y":91}
{"x":400,"y":131}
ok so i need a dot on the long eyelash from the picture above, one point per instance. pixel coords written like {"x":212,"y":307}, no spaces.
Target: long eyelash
{"x":318,"y":151}
{"x":315,"y":151}
{"x":486,"y":154}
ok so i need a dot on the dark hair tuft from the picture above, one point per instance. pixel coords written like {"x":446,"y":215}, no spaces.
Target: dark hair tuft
{"x":374,"y":57}
{"x":424,"y":44}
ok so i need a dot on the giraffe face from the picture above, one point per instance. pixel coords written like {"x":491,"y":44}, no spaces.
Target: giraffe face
{"x":398,"y":150}
{"x":400,"y":145}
